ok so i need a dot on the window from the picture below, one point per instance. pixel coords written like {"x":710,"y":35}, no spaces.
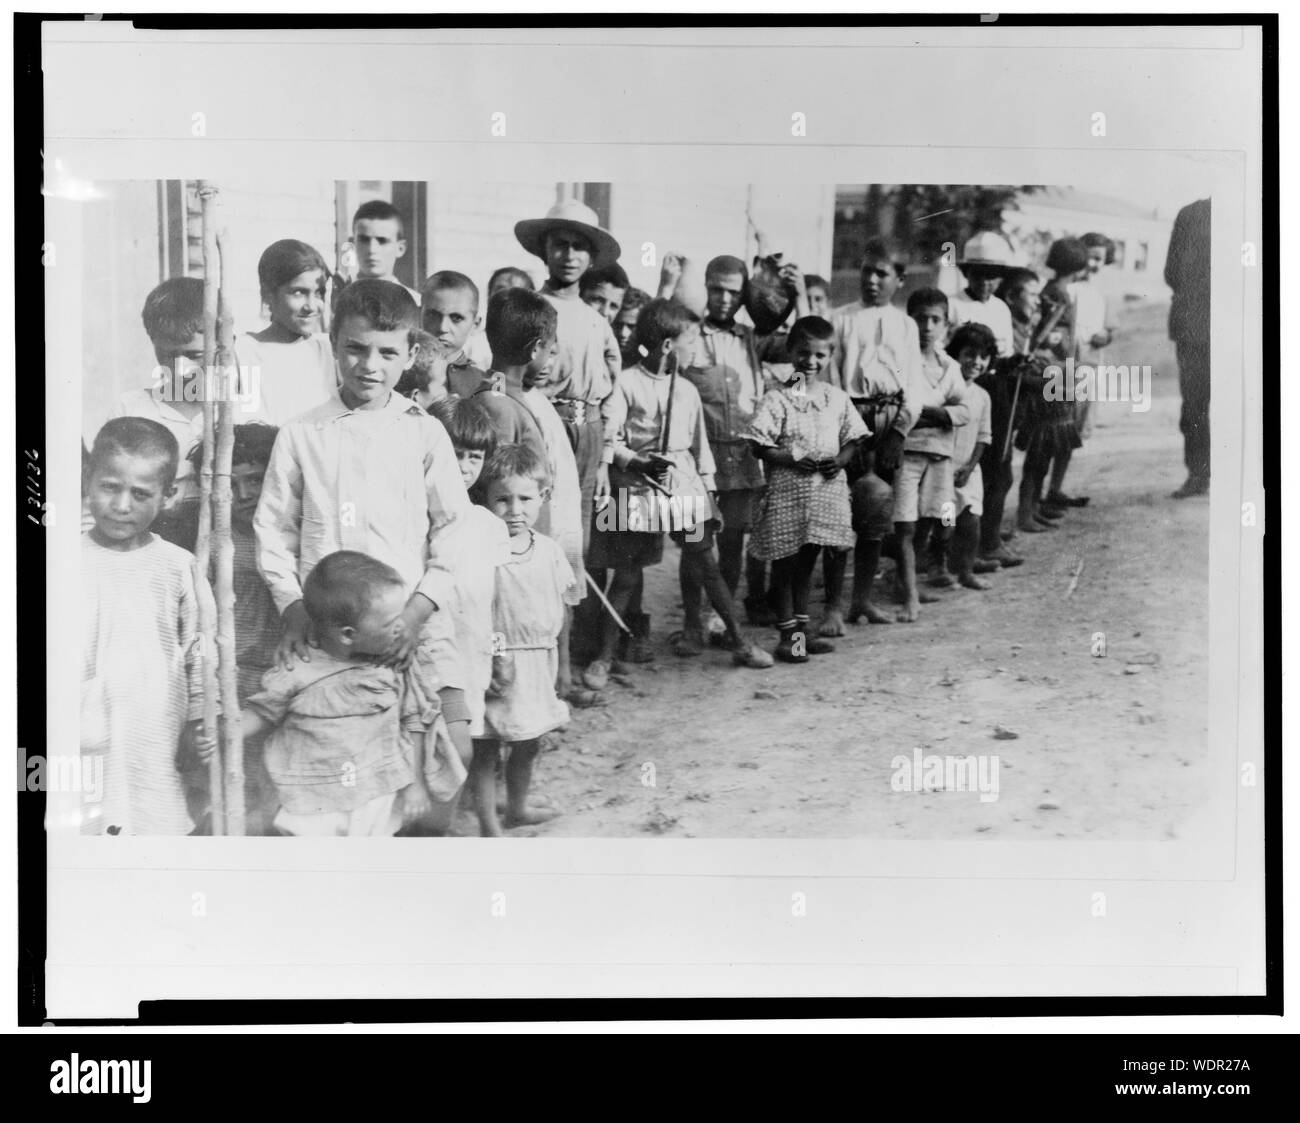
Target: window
{"x":180,"y":229}
{"x":1140,"y":258}
{"x":1120,"y":253}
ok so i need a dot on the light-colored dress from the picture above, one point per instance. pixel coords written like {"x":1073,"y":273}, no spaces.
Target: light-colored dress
{"x":803,"y":508}
{"x":528,"y":613}
{"x":284,"y":379}
{"x":139,"y":685}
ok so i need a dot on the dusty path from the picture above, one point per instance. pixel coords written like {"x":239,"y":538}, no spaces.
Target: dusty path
{"x":1099,"y":752}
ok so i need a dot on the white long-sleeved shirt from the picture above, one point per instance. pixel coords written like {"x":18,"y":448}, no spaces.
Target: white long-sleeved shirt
{"x":877,"y":351}
{"x":384,"y":482}
{"x":944,"y":388}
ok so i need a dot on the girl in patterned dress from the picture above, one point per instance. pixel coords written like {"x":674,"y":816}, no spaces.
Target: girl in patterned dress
{"x":140,"y":691}
{"x":528,"y":612}
{"x":806,"y":432}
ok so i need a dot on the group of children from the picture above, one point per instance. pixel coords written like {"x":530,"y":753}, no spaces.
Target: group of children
{"x":437,"y":514}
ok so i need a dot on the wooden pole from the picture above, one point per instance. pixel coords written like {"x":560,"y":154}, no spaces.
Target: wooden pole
{"x":232,"y":747}
{"x":203,"y":544}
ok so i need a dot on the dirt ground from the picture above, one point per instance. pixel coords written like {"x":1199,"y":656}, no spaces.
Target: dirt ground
{"x":1088,"y":748}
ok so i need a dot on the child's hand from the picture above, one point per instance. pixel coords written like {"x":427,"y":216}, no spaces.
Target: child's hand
{"x":197,"y":745}
{"x":808,"y":464}
{"x":653,"y":466}
{"x":414,"y":803}
{"x":1100,"y":340}
{"x":406,"y":632}
{"x":829,"y":467}
{"x":602,"y":482}
{"x":503,"y":674}
{"x":960,"y":476}
{"x":296,"y":641}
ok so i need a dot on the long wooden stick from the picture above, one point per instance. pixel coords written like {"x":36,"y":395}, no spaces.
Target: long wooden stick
{"x":203,"y":544}
{"x":603,"y":600}
{"x":232,"y":739}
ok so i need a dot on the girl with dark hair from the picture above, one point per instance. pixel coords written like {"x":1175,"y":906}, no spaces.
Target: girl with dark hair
{"x":289,"y":364}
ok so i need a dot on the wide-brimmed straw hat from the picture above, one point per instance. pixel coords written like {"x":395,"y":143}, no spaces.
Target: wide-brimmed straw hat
{"x":991,"y":251}
{"x":577,"y":217}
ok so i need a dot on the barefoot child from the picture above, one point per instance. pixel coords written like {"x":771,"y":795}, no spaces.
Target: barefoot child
{"x":665,"y":439}
{"x":924,"y":487}
{"x":806,"y":432}
{"x":352,"y":746}
{"x":876,"y":361}
{"x":290,"y":361}
{"x":974,"y":346}
{"x":528,"y":617}
{"x":141,"y":693}
{"x":521,"y":328}
{"x":369,"y":471}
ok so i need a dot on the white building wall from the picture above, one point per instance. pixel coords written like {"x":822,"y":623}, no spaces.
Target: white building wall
{"x":472,"y":227}
{"x":257,"y":216}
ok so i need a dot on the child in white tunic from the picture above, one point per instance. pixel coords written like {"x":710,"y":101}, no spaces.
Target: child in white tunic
{"x":528,"y":617}
{"x":140,"y":691}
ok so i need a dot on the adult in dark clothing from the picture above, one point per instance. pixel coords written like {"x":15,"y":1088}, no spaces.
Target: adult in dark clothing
{"x":1187,"y":272}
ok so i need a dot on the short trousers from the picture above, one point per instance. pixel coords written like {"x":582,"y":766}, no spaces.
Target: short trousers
{"x":737,"y":507}
{"x":698,"y":540}
{"x":376,"y":819}
{"x":453,"y":704}
{"x":871,"y":506}
{"x":624,"y":549}
{"x":971,"y":497}
{"x":922,"y":487}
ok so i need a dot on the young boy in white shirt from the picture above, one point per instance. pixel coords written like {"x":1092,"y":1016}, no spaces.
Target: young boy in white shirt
{"x":923,"y":487}
{"x":876,"y":361}
{"x":379,"y":238}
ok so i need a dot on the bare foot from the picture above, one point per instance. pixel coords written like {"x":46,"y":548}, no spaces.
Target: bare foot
{"x":928,"y":598}
{"x":832,"y":623}
{"x":970,"y":581}
{"x":531,"y":817}
{"x":538,"y":802}
{"x":909,"y":613}
{"x":1030,"y":527}
{"x":871,"y":612}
